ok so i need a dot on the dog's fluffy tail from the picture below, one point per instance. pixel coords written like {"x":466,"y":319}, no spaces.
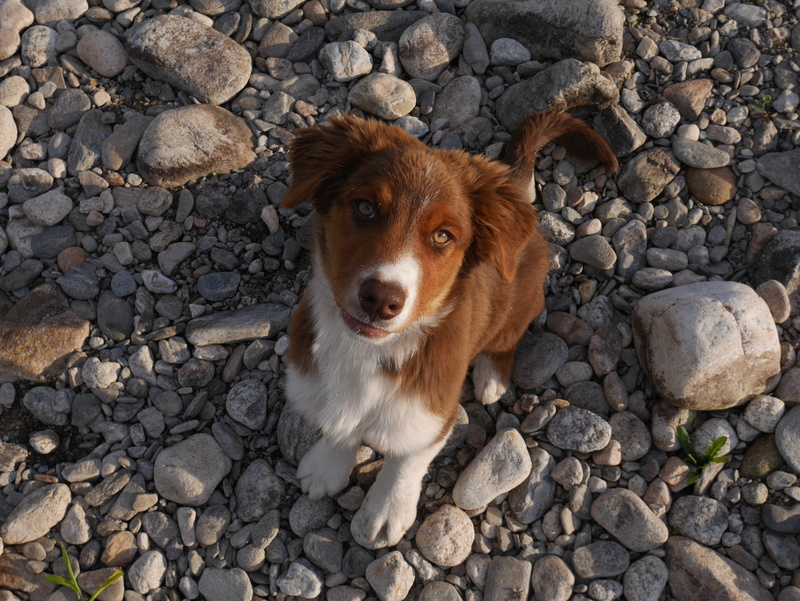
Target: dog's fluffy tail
{"x":542,"y":128}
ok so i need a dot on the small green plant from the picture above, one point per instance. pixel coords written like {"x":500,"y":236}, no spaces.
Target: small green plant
{"x":694,"y":459}
{"x":72,"y":583}
{"x":761,"y":106}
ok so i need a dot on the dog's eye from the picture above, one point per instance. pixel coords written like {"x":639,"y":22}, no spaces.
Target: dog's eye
{"x":365,"y":208}
{"x":442,"y":237}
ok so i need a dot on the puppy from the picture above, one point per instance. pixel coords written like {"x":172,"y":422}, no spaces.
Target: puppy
{"x":425,"y":262}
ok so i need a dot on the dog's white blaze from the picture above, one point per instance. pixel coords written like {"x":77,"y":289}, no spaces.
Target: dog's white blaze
{"x":406,"y":273}
{"x":350,"y":398}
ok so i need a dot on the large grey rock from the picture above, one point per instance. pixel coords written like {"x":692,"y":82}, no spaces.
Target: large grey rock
{"x":579,"y":430}
{"x":539,"y":355}
{"x":700,"y":518}
{"x":508,"y":579}
{"x":35,"y":514}
{"x":8,"y":131}
{"x":552,"y":579}
{"x":691,"y":340}
{"x":780,"y":260}
{"x":567,"y":84}
{"x":192,"y":57}
{"x":87,"y":143}
{"x":781,"y":169}
{"x":187,"y":143}
{"x":534,"y":496}
{"x":458,"y":102}
{"x":645,"y":579}
{"x":697,"y":573}
{"x":258,"y":490}
{"x":787,"y":438}
{"x":188,"y":472}
{"x":589,"y":30}
{"x":225,"y":585}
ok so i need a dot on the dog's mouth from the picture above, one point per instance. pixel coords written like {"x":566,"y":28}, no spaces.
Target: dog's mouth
{"x":363,"y":329}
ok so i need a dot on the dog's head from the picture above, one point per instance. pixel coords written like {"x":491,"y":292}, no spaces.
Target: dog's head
{"x":399,"y":222}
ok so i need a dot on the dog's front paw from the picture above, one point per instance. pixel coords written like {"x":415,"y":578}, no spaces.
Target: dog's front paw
{"x":488,"y":385}
{"x":385,"y":516}
{"x":324,"y":470}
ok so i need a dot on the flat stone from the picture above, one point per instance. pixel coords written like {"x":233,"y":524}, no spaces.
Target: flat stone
{"x":500,"y":466}
{"x":85,"y":149}
{"x":626,"y":517}
{"x":103,"y":52}
{"x":428,"y":46}
{"x":699,"y":155}
{"x":258,"y":490}
{"x":580,"y":430}
{"x":787,"y":438}
{"x":781,"y":169}
{"x":697,"y":573}
{"x":700,"y":518}
{"x":249,"y":323}
{"x":553,"y":29}
{"x":646,"y":579}
{"x":225,"y":584}
{"x":37,"y":335}
{"x":712,"y":187}
{"x":38,"y":511}
{"x":551,"y":579}
{"x":192,"y":57}
{"x":600,"y":559}
{"x":508,"y":579}
{"x":689,"y":97}
{"x":713,"y":329}
{"x":534,"y":496}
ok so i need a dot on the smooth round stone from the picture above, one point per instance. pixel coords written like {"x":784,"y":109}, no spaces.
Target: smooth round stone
{"x":35,"y":514}
{"x":50,"y":12}
{"x":626,"y":517}
{"x":446,"y":536}
{"x":438,"y":590}
{"x":345,"y":60}
{"x":49,"y":208}
{"x":577,"y":429}
{"x":44,"y":442}
{"x":699,"y":155}
{"x":225,"y":584}
{"x":787,"y":438}
{"x":552,"y":579}
{"x":189,"y":471}
{"x":539,"y":355}
{"x":307,"y":515}
{"x":13,"y":91}
{"x":302,"y":579}
{"x":712,"y":187}
{"x":103,"y":52}
{"x":646,"y":579}
{"x":147,"y":572}
{"x":246,"y":404}
{"x":632,"y":434}
{"x":324,"y":550}
{"x":218,"y":286}
{"x":8,"y":131}
{"x":764,"y":413}
{"x":507,"y":51}
{"x":123,"y":284}
{"x":600,"y":560}
{"x":711,"y":430}
{"x":14,"y":17}
{"x":700,"y":518}
{"x":660,"y":120}
{"x":776,"y":296}
{"x":383,"y":95}
{"x":48,"y":405}
{"x":38,"y":45}
{"x":593,"y":250}
{"x":258,"y":490}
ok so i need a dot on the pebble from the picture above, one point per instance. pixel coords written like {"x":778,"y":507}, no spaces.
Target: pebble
{"x":36,"y":514}
{"x":189,"y":471}
{"x":700,"y":518}
{"x":600,"y":560}
{"x":390,"y":577}
{"x":552,"y":579}
{"x":225,"y":584}
{"x":430,"y":44}
{"x":103,"y":52}
{"x":446,"y":536}
{"x":383,"y":95}
{"x":787,"y":438}
{"x":628,"y":519}
{"x":147,"y":572}
{"x":579,"y":430}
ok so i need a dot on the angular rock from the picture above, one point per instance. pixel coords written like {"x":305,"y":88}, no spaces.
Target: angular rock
{"x":118,"y":149}
{"x":37,"y":335}
{"x":700,"y":518}
{"x":428,"y":46}
{"x":87,"y":143}
{"x":567,"y":84}
{"x":691,"y":338}
{"x":390,"y":576}
{"x":643,"y":178}
{"x":781,"y":169}
{"x":534,"y":496}
{"x":458,"y":102}
{"x":188,"y":472}
{"x":258,"y":490}
{"x":187,"y":143}
{"x":508,"y":579}
{"x":689,"y":97}
{"x":554,"y":29}
{"x":192,"y":57}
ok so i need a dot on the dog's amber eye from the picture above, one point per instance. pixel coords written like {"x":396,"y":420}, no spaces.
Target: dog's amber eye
{"x":365,"y":208}
{"x":441,"y":237}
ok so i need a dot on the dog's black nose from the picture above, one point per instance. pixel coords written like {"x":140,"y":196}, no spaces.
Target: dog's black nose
{"x":381,"y":300}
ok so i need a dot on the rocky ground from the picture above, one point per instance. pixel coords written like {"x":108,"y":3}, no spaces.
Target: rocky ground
{"x":147,"y":275}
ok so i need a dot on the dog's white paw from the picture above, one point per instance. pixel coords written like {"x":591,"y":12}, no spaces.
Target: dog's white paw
{"x":488,"y":385}
{"x":324,"y":470}
{"x":385,"y":516}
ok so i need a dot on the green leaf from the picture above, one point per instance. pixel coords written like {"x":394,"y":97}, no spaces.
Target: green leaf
{"x":685,"y":441}
{"x":111,"y":580}
{"x":715,"y":447}
{"x":720,"y":459}
{"x":694,"y":477}
{"x":59,"y":581}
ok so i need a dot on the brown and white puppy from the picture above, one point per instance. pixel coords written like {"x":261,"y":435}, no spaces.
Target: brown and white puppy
{"x":425,"y":262}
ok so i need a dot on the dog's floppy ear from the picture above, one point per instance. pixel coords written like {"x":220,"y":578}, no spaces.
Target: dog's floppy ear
{"x":320,"y":158}
{"x":503,"y":221}
{"x":315,"y":155}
